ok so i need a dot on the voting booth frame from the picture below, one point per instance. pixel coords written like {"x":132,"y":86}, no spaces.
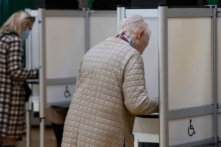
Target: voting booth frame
{"x":68,"y":35}
{"x":167,"y":114}
{"x":164,"y":14}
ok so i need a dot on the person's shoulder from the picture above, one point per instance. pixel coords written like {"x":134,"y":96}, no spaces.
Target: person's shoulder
{"x":14,"y":38}
{"x":130,"y":51}
{"x":11,"y":37}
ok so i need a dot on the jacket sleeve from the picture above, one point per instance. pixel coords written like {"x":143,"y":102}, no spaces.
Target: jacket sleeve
{"x":134,"y":88}
{"x":14,"y":62}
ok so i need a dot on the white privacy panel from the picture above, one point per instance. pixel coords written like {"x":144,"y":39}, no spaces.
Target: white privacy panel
{"x":190,"y":77}
{"x":35,"y":53}
{"x":101,"y":28}
{"x":146,"y":130}
{"x":60,"y":93}
{"x":65,"y":46}
{"x":178,"y":129}
{"x":33,"y":57}
{"x":35,"y":45}
{"x":151,"y":125}
{"x":150,"y":57}
{"x":190,"y":62}
{"x":143,"y":126}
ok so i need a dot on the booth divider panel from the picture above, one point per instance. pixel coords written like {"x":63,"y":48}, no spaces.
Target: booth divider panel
{"x":180,"y":130}
{"x":65,"y":46}
{"x":35,"y":45}
{"x":190,"y":62}
{"x":150,"y":127}
{"x":60,"y":93}
{"x":101,"y":28}
{"x":150,"y":57}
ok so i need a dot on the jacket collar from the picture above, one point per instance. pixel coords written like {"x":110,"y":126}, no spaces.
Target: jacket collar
{"x":117,"y":40}
{"x":6,"y":32}
{"x":126,"y":38}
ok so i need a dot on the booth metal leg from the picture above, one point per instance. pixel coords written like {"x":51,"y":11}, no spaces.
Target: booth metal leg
{"x":42,"y":77}
{"x":120,"y":15}
{"x":28,"y":123}
{"x":215,"y":77}
{"x":29,"y":103}
{"x":42,"y":132}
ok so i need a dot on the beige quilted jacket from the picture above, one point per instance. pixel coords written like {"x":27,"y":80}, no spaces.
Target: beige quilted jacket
{"x":110,"y":92}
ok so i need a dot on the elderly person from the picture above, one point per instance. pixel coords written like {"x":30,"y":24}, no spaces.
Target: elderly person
{"x":13,"y":76}
{"x":110,"y":90}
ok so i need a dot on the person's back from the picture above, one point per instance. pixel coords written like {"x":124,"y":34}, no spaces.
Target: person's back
{"x":110,"y":91}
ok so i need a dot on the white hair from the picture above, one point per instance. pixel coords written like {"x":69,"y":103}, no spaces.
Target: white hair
{"x":133,"y":24}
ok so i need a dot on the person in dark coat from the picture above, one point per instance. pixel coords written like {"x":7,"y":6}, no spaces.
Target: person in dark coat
{"x":12,"y":77}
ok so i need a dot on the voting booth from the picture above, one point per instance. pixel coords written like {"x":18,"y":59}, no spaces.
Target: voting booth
{"x":181,"y":60}
{"x":181,"y":67}
{"x":57,"y":43}
{"x":68,"y":36}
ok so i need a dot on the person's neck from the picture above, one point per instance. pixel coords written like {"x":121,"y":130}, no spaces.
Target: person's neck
{"x":126,"y":38}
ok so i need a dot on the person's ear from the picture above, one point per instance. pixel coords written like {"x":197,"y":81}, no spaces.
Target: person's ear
{"x":140,"y":34}
{"x":26,"y":24}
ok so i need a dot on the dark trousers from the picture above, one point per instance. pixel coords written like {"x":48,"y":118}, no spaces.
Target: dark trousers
{"x":58,"y":130}
{"x":144,"y":144}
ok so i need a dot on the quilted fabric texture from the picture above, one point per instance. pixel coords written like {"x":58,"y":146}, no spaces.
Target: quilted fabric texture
{"x":110,"y":92}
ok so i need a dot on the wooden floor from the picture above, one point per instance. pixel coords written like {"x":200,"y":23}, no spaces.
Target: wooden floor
{"x":50,"y":140}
